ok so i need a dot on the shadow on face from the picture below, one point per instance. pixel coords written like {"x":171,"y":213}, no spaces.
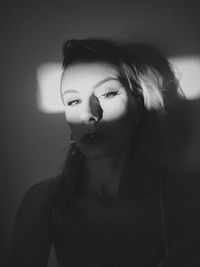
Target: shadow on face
{"x":97,"y":103}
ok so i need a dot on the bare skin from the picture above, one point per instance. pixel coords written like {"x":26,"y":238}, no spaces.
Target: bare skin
{"x":109,"y":180}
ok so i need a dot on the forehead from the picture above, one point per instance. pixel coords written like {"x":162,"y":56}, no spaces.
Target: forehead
{"x":77,"y":74}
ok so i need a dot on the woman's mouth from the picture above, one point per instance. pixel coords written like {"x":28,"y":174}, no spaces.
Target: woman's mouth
{"x":92,"y":138}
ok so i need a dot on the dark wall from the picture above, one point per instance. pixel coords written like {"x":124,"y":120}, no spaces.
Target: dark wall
{"x":32,"y":33}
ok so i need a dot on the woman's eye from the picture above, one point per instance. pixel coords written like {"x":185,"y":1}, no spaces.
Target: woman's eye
{"x":110,"y":94}
{"x":73,"y":102}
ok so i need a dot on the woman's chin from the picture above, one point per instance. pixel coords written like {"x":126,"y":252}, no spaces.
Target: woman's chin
{"x":93,"y":153}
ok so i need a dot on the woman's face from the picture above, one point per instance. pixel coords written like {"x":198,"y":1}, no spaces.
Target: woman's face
{"x":100,"y":111}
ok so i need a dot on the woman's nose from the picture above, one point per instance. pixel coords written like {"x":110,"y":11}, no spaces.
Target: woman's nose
{"x":92,"y":111}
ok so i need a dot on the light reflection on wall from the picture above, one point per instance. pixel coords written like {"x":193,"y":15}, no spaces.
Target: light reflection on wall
{"x":48,"y":76}
{"x":48,"y":95}
{"x":187,"y":70}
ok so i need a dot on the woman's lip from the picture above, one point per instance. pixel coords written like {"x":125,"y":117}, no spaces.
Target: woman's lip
{"x":93,"y":137}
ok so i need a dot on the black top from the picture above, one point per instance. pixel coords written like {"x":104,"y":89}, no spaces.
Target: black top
{"x":178,"y":204}
{"x":71,"y":252}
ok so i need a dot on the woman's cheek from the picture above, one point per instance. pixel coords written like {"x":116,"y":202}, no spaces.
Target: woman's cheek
{"x":72,"y":116}
{"x":113,"y":110}
{"x":73,"y":120}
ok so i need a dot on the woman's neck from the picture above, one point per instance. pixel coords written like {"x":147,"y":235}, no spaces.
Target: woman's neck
{"x":104,"y":175}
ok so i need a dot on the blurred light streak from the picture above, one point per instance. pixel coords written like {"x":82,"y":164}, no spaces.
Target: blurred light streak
{"x":187,"y":70}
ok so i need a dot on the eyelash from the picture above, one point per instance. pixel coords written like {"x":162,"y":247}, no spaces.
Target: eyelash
{"x":72,"y":103}
{"x":110,"y":94}
{"x":106,"y":95}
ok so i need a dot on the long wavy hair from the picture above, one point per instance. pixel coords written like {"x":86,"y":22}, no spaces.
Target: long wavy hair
{"x":148,"y":75}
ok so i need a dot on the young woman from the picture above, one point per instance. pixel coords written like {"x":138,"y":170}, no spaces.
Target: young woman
{"x":106,"y":208}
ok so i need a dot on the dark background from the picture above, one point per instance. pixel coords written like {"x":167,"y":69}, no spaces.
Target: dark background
{"x":32,"y":33}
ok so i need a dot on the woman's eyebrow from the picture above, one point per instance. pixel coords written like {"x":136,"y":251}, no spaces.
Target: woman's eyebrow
{"x":70,"y":91}
{"x":107,"y":79}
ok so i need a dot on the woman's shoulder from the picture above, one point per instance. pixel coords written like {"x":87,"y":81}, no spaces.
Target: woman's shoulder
{"x":32,"y":232}
{"x":36,"y":200}
{"x":43,"y":184}
{"x":184,"y":183}
{"x":42,"y":189}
